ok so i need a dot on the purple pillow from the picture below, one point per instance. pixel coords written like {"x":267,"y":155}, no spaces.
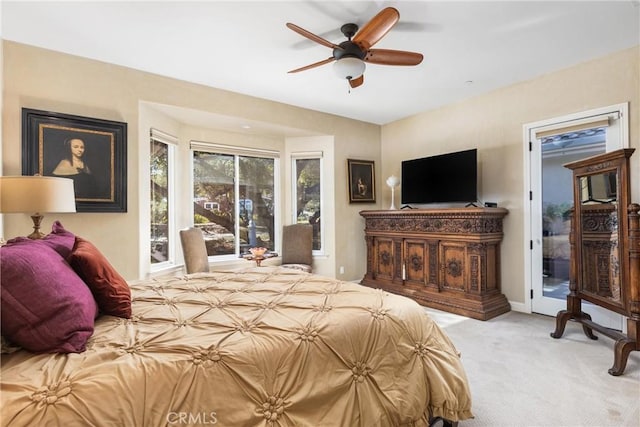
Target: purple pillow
{"x":60,"y":240}
{"x":46,"y":307}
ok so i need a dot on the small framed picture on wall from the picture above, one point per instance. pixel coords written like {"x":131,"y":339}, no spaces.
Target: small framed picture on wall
{"x":92,"y":152}
{"x":362,"y":187}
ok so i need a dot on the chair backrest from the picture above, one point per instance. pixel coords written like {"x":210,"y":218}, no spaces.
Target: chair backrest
{"x":297,"y":244}
{"x":194,"y":250}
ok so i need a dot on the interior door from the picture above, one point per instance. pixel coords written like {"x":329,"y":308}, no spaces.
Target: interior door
{"x":552,"y":146}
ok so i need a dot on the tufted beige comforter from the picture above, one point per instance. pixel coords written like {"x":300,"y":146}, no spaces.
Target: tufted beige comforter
{"x":258,"y":347}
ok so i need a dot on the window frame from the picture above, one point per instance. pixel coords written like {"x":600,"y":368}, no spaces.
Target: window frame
{"x":308,"y":155}
{"x":171,"y":142}
{"x":237,"y":152}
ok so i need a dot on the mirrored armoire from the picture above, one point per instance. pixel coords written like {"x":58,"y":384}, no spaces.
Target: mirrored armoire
{"x":605,"y":251}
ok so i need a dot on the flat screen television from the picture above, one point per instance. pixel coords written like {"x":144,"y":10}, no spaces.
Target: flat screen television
{"x":445,"y":178}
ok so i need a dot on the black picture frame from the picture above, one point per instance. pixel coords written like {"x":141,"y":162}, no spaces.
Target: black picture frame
{"x":101,"y":183}
{"x":362,"y":183}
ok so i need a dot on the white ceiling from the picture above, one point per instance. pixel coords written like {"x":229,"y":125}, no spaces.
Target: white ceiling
{"x":470,"y":47}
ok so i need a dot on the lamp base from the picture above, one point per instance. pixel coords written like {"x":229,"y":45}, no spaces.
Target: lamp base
{"x":393,"y":200}
{"x":37,"y":220}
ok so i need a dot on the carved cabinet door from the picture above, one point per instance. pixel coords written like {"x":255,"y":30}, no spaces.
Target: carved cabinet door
{"x":452,"y":264}
{"x":415,"y":262}
{"x":383,"y":258}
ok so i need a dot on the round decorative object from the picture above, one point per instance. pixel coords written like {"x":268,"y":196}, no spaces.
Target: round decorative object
{"x":393,"y":181}
{"x":416,"y":262}
{"x":454,"y":267}
{"x":385,"y":258}
{"x":257,"y":252}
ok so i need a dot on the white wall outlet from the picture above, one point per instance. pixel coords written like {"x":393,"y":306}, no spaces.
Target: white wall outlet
{"x":341,"y":269}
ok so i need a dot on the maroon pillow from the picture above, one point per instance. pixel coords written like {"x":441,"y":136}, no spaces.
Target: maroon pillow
{"x":46,"y":307}
{"x":109,"y":288}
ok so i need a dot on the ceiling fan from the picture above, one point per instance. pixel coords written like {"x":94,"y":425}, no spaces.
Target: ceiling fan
{"x":350,"y":55}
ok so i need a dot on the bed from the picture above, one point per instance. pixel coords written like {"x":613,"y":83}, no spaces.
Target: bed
{"x":248,"y":347}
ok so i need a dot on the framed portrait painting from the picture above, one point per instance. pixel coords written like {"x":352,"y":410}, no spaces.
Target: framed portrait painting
{"x":92,"y":152}
{"x":362,"y":188}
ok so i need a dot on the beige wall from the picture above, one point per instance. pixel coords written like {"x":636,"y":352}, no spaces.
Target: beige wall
{"x":46,"y":80}
{"x":494,"y":124}
{"x":41,"y":79}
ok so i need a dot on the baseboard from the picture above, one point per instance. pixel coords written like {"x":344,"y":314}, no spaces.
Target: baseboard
{"x":520,"y":307}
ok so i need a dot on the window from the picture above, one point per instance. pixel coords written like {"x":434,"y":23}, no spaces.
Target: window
{"x":307,"y":193}
{"x":161,"y":159}
{"x":233,"y":197}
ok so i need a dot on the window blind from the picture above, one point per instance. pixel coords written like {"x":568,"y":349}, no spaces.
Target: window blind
{"x":211,"y":147}
{"x":161,"y":136}
{"x":306,"y":155}
{"x":602,"y":120}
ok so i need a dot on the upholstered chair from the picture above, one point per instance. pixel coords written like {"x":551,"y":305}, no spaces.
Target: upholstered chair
{"x":297,"y":247}
{"x":194,"y":250}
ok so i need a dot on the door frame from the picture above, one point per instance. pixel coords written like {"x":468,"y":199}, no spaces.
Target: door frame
{"x":530,"y":266}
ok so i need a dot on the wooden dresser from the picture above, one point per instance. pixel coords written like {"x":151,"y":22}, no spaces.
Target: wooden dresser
{"x":448,"y":259}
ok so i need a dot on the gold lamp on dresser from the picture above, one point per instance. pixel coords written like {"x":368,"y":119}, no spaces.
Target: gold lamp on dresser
{"x":36,"y":195}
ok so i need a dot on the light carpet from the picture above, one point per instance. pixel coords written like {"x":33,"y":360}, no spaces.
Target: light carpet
{"x":520,"y":376}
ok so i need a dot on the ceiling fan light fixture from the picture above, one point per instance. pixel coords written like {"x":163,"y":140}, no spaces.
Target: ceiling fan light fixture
{"x":349,"y":68}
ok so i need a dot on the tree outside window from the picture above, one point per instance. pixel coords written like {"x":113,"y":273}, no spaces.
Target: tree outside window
{"x":215,"y":197}
{"x":308,"y":196}
{"x":159,"y":168}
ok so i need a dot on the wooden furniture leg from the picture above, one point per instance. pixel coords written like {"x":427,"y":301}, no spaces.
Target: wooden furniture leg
{"x":441,"y":422}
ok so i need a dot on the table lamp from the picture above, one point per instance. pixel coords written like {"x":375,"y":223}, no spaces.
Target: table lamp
{"x":393,"y":182}
{"x":36,"y":195}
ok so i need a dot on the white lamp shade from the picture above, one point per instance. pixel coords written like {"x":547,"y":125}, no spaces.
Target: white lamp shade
{"x":41,"y":194}
{"x":349,"y":68}
{"x":393,"y":181}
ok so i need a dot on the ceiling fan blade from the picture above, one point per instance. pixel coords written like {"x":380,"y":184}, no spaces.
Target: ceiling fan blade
{"x":305,"y":43}
{"x":393,"y":57}
{"x":312,"y":36}
{"x":412,"y":27}
{"x":314,"y":65}
{"x":418,"y":27}
{"x":376,"y":28}
{"x":354,"y":83}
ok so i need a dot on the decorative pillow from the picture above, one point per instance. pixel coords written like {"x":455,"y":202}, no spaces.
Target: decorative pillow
{"x":46,"y":307}
{"x":110,"y":290}
{"x":60,"y":240}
